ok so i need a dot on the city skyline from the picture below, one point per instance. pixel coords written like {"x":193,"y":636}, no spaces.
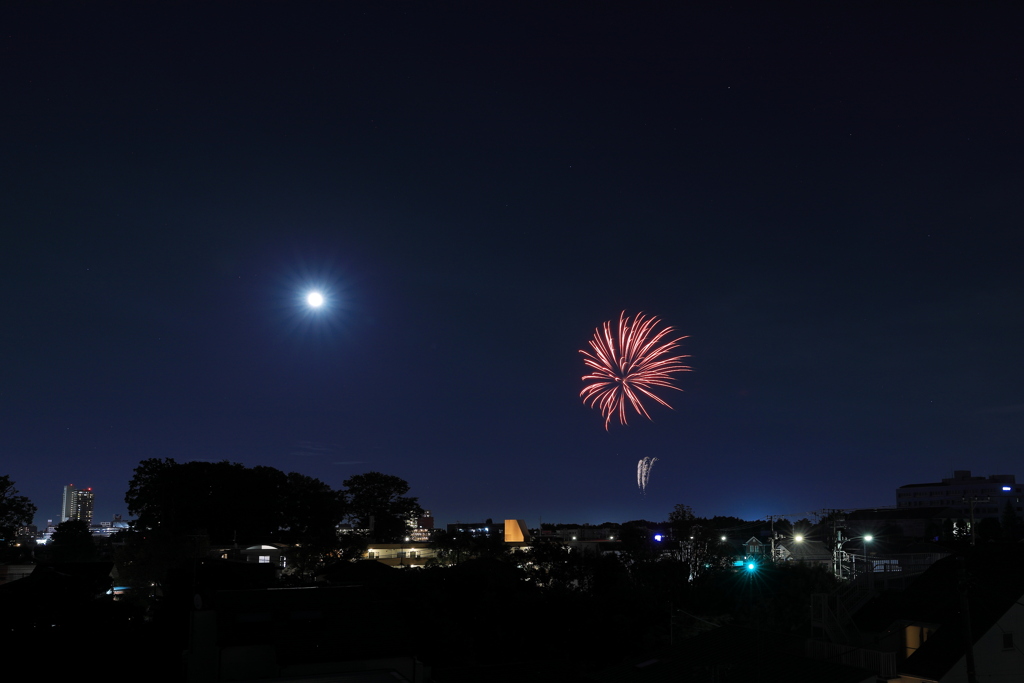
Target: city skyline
{"x":1002,"y":486}
{"x":824,"y":201}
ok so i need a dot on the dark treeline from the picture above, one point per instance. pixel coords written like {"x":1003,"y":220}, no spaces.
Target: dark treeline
{"x":228,"y":502}
{"x":549,"y":605}
{"x":546,"y":605}
{"x":184,"y":509}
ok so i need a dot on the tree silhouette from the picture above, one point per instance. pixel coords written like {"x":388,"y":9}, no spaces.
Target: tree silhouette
{"x":72,"y":542}
{"x":378,"y":502}
{"x":15,"y":512}
{"x":226,"y":502}
{"x":311,"y":511}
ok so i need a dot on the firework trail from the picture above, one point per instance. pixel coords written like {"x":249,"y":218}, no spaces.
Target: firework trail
{"x":643,"y":473}
{"x":627,"y":365}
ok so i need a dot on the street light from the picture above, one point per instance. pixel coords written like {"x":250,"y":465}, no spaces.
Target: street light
{"x":867,"y":539}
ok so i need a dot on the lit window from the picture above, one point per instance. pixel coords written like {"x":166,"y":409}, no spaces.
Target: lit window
{"x":264,"y":559}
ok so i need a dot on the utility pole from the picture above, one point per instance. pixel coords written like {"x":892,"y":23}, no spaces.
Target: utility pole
{"x":838,"y":524}
{"x":837,"y":533}
{"x":963,"y":582}
{"x":972,"y":500}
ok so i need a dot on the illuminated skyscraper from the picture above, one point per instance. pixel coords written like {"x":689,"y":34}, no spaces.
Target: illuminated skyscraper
{"x":67,"y":502}
{"x":77,"y":504}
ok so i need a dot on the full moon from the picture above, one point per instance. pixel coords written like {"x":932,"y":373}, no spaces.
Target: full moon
{"x":315,"y":299}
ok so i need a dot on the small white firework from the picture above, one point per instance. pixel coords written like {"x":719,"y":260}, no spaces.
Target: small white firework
{"x":643,"y":472}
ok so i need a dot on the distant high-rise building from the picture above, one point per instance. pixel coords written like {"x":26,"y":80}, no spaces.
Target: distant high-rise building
{"x":67,"y":502}
{"x":421,"y":528}
{"x":77,"y":504}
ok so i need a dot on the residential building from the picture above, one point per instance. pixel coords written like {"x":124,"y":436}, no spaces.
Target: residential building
{"x":980,"y":593}
{"x":410,"y":554}
{"x":67,"y":502}
{"x":77,"y":504}
{"x":808,"y":551}
{"x":985,"y":497}
{"x":422,"y":528}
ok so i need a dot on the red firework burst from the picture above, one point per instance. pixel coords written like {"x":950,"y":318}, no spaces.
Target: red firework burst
{"x":627,"y":366}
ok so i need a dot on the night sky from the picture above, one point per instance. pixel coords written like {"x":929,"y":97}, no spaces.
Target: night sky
{"x":829,"y":201}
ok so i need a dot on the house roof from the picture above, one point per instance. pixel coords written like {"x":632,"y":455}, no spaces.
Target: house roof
{"x":898,"y":514}
{"x":993,"y":581}
{"x":807,"y":550}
